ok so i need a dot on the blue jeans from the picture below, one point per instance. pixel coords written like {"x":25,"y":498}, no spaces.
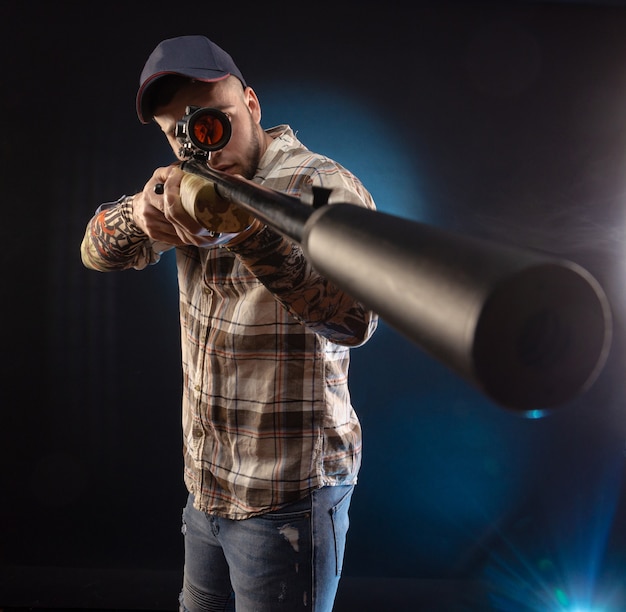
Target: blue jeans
{"x":284,"y":561}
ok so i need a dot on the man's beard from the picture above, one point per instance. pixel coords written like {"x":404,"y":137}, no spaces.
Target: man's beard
{"x":254,"y":153}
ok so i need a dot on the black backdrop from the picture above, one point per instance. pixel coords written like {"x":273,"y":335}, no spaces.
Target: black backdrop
{"x":503,"y":120}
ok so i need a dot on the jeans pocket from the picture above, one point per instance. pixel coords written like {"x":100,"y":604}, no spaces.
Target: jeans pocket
{"x":340,"y":523}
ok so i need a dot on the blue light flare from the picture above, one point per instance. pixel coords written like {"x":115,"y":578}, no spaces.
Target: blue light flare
{"x":562,"y":565}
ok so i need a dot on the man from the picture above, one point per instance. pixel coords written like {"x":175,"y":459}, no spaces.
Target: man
{"x":272,"y":445}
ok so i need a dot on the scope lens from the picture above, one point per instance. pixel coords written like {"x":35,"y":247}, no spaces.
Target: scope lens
{"x":209,"y":129}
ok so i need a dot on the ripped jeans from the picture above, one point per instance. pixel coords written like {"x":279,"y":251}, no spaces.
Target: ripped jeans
{"x":284,"y":561}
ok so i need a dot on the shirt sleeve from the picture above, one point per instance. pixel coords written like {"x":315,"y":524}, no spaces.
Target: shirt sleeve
{"x":282,"y":267}
{"x":310,"y":298}
{"x":113,"y":241}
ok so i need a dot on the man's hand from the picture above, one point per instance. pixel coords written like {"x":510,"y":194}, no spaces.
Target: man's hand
{"x":160,"y":213}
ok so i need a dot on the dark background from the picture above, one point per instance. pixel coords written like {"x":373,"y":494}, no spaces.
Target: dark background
{"x":502,"y":120}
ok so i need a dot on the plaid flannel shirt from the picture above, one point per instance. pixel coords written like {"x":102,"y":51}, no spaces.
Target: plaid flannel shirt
{"x":267,"y":414}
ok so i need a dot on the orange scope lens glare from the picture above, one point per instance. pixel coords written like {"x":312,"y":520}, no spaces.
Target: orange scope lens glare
{"x":209,"y":129}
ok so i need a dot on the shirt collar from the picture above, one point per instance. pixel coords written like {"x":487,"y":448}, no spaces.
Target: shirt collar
{"x":283,"y":139}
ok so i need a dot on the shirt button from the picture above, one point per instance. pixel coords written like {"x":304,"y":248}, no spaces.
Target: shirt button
{"x":197,"y":432}
{"x":197,"y":387}
{"x":207,"y":291}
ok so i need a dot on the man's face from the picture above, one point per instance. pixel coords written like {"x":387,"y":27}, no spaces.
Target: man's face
{"x":243,"y":151}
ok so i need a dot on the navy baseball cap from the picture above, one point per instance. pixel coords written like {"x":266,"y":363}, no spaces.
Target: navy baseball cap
{"x":195,"y":57}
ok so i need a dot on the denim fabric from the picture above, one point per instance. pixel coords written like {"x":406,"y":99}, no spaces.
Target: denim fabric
{"x":284,"y":561}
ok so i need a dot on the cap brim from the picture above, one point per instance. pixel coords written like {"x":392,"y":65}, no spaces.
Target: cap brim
{"x":143,"y":97}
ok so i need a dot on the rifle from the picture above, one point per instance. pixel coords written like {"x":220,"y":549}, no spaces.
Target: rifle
{"x":530,"y":330}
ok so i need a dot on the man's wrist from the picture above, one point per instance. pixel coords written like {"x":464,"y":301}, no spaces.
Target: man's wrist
{"x":254,"y":228}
